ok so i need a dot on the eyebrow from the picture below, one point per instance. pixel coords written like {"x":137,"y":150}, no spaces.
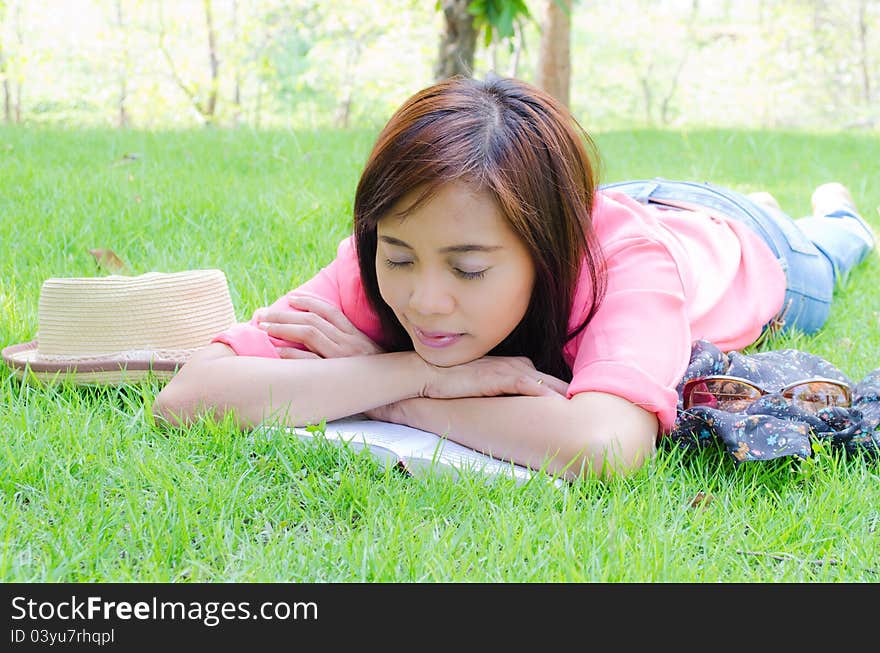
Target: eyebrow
{"x":446,"y":250}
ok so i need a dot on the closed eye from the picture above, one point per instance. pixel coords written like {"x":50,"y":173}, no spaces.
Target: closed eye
{"x":460,"y":273}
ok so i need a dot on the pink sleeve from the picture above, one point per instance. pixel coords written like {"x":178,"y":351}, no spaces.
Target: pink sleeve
{"x":637,"y":345}
{"x":247,"y":339}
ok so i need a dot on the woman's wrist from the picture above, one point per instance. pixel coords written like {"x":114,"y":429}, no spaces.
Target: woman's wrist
{"x":409,"y":412}
{"x":419,"y":372}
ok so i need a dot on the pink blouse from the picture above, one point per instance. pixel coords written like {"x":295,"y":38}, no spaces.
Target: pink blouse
{"x":673,"y":277}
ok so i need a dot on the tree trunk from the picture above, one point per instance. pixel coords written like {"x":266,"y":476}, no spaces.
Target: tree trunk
{"x":7,"y":92}
{"x":236,"y":97}
{"x":204,"y":109}
{"x":122,"y":119}
{"x":863,"y":52}
{"x":554,"y":60}
{"x":648,"y":96}
{"x":666,"y":103}
{"x":7,"y":101}
{"x":458,"y":42}
{"x":343,"y":109}
{"x":211,"y":105}
{"x":819,"y":18}
{"x":19,"y":34}
{"x":259,"y":103}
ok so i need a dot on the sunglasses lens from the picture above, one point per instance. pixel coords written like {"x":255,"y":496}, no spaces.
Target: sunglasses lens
{"x":723,"y":394}
{"x":817,"y":395}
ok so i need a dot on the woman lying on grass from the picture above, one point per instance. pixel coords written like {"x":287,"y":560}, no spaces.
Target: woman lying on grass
{"x":492,"y":293}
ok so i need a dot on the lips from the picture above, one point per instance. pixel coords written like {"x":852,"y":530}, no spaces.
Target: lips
{"x":436,"y":334}
{"x":444,"y":340}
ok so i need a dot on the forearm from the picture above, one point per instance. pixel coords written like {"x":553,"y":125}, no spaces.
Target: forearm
{"x":533,"y":431}
{"x":296,"y":392}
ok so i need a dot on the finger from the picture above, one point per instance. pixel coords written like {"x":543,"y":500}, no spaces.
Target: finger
{"x":541,"y":384}
{"x":293,"y":352}
{"x":324,"y":309}
{"x":549,"y":390}
{"x":311,"y":336}
{"x":528,"y":385}
{"x":303,"y":318}
{"x":557,"y":385}
{"x":524,"y":366}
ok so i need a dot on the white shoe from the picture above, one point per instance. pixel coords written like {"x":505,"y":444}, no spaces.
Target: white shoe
{"x":831,"y":197}
{"x":833,"y":200}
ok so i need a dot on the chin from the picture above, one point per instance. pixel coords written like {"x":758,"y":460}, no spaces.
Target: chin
{"x":442,"y":358}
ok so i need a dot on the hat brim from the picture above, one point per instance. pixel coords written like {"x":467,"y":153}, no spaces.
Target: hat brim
{"x":99,"y":371}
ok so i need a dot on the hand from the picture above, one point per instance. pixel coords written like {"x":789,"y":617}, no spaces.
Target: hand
{"x":490,"y":376}
{"x":393,"y":412}
{"x":318,"y":325}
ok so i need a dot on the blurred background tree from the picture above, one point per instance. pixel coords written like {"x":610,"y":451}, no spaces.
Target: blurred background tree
{"x":554,"y":61}
{"x":310,"y":63}
{"x":458,"y":41}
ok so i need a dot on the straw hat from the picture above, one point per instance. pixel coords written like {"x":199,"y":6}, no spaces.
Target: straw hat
{"x":119,"y":329}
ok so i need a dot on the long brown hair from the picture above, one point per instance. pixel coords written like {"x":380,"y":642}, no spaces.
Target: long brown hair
{"x":508,"y":137}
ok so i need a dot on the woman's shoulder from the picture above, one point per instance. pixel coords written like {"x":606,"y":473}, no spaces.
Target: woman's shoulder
{"x":622,"y":223}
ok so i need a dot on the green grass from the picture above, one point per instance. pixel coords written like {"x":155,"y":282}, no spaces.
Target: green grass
{"x":91,"y":490}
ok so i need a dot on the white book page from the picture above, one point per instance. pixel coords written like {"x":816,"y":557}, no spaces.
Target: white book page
{"x":419,"y":451}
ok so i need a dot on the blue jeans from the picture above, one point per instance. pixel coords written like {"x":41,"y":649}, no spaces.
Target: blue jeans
{"x":814,"y":251}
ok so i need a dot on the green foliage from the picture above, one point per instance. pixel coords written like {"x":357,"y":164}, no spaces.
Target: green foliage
{"x":496,"y":18}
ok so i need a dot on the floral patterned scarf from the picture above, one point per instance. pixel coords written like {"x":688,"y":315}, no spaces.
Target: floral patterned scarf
{"x":771,"y":426}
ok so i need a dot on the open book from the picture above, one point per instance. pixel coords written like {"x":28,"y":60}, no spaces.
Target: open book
{"x":417,"y":452}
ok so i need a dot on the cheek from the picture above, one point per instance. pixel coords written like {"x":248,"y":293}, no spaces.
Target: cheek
{"x":498,"y":306}
{"x":388,"y":289}
{"x":511,"y":304}
{"x":512,"y":292}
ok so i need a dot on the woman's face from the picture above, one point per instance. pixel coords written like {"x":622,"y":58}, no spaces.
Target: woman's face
{"x":453,"y":268}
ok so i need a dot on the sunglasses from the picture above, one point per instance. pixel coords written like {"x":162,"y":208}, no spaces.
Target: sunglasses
{"x":733,"y":394}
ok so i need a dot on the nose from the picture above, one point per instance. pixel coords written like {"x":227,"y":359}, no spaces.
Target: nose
{"x":430,"y":295}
